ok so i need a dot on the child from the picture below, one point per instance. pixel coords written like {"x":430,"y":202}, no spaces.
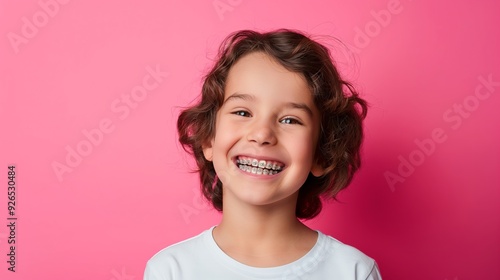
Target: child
{"x":275,"y":129}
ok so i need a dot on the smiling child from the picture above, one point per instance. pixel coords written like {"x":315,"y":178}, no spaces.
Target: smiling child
{"x":276,"y":129}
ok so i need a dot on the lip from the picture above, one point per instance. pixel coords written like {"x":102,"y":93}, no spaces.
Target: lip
{"x":260,"y":158}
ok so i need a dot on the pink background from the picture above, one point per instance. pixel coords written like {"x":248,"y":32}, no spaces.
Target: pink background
{"x":65,"y":67}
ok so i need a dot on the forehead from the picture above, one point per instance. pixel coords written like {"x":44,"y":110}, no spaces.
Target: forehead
{"x":259,"y":74}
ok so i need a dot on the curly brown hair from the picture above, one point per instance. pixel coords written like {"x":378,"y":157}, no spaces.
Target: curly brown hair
{"x":342,"y":112}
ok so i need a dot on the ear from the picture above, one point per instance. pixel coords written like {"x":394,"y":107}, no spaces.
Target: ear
{"x":208,"y":151}
{"x":317,"y":169}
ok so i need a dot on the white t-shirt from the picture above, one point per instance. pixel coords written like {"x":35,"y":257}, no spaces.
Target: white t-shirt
{"x":200,"y":258}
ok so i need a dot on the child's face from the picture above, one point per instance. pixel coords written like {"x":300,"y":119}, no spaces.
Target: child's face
{"x":268,"y":118}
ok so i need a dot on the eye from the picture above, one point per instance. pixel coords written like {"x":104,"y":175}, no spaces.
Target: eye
{"x":289,"y":120}
{"x":241,"y":113}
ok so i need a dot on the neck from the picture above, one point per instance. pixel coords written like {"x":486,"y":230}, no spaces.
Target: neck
{"x":263,"y":235}
{"x":255,"y":222}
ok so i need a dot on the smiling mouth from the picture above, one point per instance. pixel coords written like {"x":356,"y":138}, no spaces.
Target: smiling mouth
{"x":259,"y":167}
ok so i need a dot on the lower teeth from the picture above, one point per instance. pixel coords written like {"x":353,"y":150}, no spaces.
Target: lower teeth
{"x":258,"y":171}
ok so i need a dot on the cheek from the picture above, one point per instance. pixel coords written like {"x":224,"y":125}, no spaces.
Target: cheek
{"x":224,"y":137}
{"x":302,"y":148}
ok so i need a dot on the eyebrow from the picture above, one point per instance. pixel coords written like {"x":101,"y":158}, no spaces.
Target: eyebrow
{"x":249,"y":97}
{"x":242,"y":96}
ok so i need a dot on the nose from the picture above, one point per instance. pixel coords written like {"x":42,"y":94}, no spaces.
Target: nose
{"x":262,"y":133}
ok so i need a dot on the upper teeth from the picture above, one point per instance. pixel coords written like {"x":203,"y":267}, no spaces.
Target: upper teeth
{"x":259,"y":164}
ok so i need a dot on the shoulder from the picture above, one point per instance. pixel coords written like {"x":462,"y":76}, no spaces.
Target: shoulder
{"x":345,"y":252}
{"x":347,"y":261}
{"x":180,"y":249}
{"x":171,"y":259}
